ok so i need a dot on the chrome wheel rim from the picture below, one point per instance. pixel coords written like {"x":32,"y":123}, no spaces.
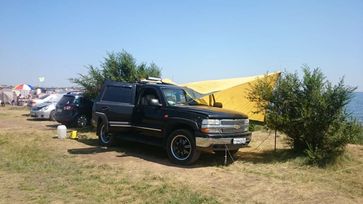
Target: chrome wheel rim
{"x":181,"y":147}
{"x":82,"y":121}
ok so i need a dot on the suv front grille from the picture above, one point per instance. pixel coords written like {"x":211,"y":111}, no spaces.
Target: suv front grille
{"x":234,"y":125}
{"x":234,"y":121}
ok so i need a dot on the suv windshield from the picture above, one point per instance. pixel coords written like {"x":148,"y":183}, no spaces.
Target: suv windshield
{"x":177,"y":96}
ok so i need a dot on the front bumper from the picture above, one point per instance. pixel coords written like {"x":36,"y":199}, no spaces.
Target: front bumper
{"x":222,"y":141}
{"x":39,"y":114}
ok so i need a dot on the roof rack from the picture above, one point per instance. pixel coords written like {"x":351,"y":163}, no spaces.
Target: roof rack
{"x":151,"y":80}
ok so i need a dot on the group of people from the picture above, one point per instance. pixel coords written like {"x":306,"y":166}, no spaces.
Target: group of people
{"x":19,"y":100}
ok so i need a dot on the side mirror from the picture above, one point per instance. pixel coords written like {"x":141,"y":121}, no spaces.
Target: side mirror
{"x":218,"y":105}
{"x":155,"y":102}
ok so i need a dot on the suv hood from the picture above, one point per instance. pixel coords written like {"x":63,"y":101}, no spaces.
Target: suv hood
{"x":213,"y":112}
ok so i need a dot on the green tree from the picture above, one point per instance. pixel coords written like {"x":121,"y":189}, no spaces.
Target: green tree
{"x":310,"y":111}
{"x":119,"y":66}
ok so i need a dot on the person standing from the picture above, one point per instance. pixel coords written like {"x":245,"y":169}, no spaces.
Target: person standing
{"x":14,"y":98}
{"x":2,"y":99}
{"x":18,"y":100}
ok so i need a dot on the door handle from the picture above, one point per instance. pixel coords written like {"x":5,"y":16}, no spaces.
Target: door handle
{"x":105,"y":108}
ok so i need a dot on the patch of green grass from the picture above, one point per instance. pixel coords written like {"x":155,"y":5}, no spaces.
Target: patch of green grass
{"x":284,"y":165}
{"x":48,"y":176}
{"x":359,"y":139}
{"x":18,"y":108}
{"x":3,"y":115}
{"x":2,"y":141}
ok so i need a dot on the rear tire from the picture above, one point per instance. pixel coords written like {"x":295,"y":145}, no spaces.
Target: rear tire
{"x":81,"y":121}
{"x":104,"y":137}
{"x":181,"y":147}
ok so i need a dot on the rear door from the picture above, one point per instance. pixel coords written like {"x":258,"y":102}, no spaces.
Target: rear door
{"x":117,"y":102}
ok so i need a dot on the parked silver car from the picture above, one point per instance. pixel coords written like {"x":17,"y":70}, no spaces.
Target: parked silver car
{"x":45,"y":98}
{"x":44,"y":111}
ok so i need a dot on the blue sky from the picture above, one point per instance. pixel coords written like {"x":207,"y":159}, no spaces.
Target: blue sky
{"x":190,"y":40}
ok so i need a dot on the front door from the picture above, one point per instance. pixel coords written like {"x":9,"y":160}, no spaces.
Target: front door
{"x":149,"y":116}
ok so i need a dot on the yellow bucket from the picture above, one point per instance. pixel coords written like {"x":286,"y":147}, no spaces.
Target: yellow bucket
{"x":74,"y":134}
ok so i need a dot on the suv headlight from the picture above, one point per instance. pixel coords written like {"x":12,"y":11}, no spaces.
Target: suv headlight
{"x":247,"y":123}
{"x":211,"y":126}
{"x":211,"y":122}
{"x":44,"y":108}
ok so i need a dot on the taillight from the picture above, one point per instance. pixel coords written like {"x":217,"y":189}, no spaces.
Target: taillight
{"x":68,"y":107}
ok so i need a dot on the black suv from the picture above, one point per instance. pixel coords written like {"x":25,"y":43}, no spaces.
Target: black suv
{"x":165,"y":115}
{"x":74,"y":109}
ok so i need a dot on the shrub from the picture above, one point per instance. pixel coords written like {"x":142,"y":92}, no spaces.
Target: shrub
{"x":357,"y":128}
{"x":119,"y":66}
{"x":310,"y":111}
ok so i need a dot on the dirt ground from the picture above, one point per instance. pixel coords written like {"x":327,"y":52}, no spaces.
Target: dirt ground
{"x":256,"y":175}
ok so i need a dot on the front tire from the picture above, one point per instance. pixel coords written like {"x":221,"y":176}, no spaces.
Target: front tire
{"x":52,"y":115}
{"x":181,"y":147}
{"x":104,"y":137}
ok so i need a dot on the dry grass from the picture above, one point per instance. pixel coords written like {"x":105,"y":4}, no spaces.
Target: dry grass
{"x":35,"y":167}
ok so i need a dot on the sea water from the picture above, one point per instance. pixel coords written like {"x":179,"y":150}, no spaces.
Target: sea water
{"x":355,"y":107}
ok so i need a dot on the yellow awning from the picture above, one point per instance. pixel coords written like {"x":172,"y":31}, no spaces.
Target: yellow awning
{"x":232,"y":93}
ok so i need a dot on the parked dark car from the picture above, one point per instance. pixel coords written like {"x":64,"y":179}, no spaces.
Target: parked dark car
{"x":74,"y":109}
{"x":165,"y":115}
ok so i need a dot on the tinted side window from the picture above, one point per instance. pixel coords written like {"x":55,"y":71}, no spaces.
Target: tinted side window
{"x":66,"y":99}
{"x":117,"y":94}
{"x":82,"y":101}
{"x":77,"y":100}
{"x":147,"y":95}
